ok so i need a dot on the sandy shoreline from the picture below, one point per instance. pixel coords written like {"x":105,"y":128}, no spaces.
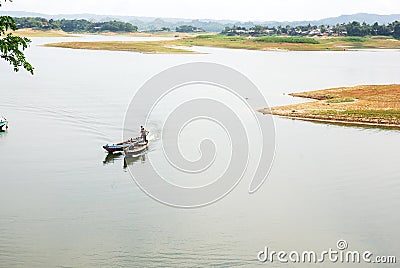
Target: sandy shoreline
{"x":146,"y":47}
{"x":372,"y":105}
{"x":59,"y":33}
{"x":274,"y":43}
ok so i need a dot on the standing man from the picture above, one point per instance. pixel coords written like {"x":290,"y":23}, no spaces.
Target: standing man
{"x":143,"y":134}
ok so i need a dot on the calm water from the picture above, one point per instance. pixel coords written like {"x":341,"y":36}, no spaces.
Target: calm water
{"x":64,"y":203}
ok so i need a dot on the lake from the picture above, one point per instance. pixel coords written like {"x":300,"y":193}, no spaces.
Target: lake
{"x":65,"y":203}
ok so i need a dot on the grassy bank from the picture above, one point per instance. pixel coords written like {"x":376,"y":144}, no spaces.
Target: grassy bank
{"x":143,"y":47}
{"x":258,"y":43}
{"x":372,"y":104}
{"x":240,"y":42}
{"x":291,"y":43}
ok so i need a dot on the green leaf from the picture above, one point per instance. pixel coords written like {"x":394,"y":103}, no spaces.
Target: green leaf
{"x":12,"y":47}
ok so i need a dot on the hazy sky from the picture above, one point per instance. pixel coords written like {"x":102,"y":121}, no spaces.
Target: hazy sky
{"x":212,"y":9}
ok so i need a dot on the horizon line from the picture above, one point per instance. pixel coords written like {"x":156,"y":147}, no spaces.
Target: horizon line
{"x":205,"y":19}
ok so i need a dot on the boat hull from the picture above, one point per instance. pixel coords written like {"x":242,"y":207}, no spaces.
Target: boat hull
{"x":113,"y":148}
{"x":3,"y":125}
{"x":119,"y":147}
{"x":136,"y":149}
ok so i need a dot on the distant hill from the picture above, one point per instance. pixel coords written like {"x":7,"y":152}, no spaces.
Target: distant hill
{"x":361,"y":17}
{"x":153,"y":23}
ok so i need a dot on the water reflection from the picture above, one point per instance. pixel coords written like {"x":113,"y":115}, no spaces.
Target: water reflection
{"x":3,"y":134}
{"x":352,"y":125}
{"x":111,"y":157}
{"x":130,"y":160}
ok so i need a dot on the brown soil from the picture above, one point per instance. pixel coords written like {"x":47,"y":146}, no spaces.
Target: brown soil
{"x":371,"y":104}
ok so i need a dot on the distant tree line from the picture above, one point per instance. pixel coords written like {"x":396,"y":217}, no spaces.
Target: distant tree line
{"x":82,"y":25}
{"x":188,"y":29}
{"x":74,"y":25}
{"x":356,"y":29}
{"x":351,"y":29}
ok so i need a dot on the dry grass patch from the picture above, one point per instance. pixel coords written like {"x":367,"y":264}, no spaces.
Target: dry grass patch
{"x":371,"y":104}
{"x":238,"y":42}
{"x":143,"y":47}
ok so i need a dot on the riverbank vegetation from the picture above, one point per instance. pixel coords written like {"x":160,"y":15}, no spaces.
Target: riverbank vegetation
{"x":289,"y":43}
{"x":371,"y":104}
{"x":85,"y":26}
{"x":354,"y":28}
{"x":349,"y":29}
{"x":241,"y":42}
{"x":77,"y":26}
{"x":29,"y":32}
{"x":143,"y":47}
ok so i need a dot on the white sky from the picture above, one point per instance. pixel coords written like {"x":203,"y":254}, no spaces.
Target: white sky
{"x":263,"y":10}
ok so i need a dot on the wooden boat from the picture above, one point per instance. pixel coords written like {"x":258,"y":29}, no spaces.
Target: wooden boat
{"x":3,"y":123}
{"x":136,"y":148}
{"x":119,"y":147}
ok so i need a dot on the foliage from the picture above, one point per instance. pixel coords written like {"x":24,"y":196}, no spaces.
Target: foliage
{"x":287,"y":39}
{"x":75,"y":25}
{"x":396,"y":30}
{"x":378,"y":114}
{"x":12,"y":47}
{"x":340,"y":100}
{"x":188,"y":29}
{"x":352,"y":39}
{"x":356,"y":29}
{"x":350,"y":29}
{"x":220,"y":37}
